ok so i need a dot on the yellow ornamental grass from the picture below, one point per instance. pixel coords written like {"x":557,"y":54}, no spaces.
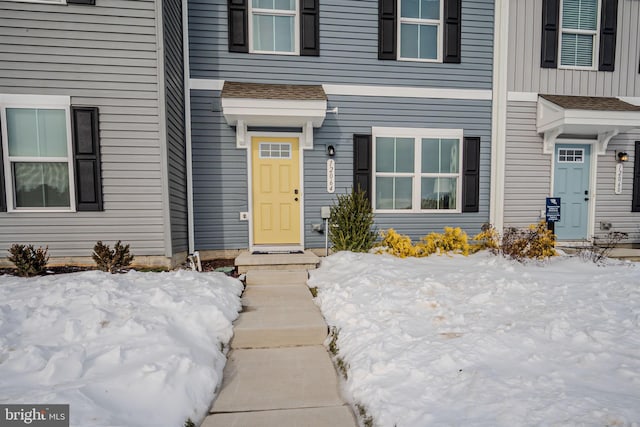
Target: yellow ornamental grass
{"x":453,"y":240}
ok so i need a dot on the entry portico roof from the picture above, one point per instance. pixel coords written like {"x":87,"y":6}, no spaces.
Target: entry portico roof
{"x":260,"y":104}
{"x":275,"y":106}
{"x":272,"y":91}
{"x":599,"y":118}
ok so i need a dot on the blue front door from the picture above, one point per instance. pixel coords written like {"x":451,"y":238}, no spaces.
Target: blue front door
{"x":571,"y":184}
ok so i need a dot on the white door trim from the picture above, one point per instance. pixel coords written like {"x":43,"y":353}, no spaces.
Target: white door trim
{"x":278,"y":248}
{"x":593,"y":172}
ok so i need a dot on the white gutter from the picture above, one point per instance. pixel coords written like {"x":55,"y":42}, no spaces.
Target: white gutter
{"x":499,"y":113}
{"x":187,"y":123}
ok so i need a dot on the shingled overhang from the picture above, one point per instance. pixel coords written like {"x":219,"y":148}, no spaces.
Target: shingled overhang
{"x":273,"y":105}
{"x":598,"y":118}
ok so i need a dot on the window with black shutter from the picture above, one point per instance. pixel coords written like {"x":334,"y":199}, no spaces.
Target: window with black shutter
{"x":471,"y":175}
{"x":267,"y":19}
{"x":362,"y":163}
{"x":86,"y":158}
{"x":572,"y":34}
{"x":417,"y":26}
{"x":635,"y":204}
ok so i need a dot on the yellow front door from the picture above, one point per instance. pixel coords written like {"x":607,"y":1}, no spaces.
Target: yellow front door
{"x":276,"y":191}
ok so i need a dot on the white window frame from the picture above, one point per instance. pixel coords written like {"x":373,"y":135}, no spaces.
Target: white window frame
{"x":419,"y":21}
{"x":596,"y":40}
{"x":271,"y":12}
{"x":42,"y":102}
{"x":417,"y":134}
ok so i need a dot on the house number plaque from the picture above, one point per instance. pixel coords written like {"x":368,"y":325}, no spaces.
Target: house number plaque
{"x":331,"y":176}
{"x":619,"y":173}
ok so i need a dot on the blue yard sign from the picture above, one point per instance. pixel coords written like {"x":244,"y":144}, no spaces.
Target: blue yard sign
{"x":553,"y":209}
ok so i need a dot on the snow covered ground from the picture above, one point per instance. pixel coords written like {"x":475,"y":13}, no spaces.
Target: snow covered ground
{"x":130,"y":350}
{"x":484,"y":341}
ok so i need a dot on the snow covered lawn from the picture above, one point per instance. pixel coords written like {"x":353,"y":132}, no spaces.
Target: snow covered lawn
{"x":130,"y":350}
{"x":483,"y":341}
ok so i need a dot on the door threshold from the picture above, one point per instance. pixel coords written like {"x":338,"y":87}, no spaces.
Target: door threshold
{"x":276,"y":249}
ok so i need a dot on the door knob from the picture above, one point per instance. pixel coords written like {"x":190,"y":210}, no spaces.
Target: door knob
{"x":586,"y":199}
{"x":296,"y":199}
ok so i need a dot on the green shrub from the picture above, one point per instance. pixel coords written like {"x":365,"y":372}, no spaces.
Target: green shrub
{"x":28,"y":260}
{"x":109,"y":260}
{"x":351,"y":221}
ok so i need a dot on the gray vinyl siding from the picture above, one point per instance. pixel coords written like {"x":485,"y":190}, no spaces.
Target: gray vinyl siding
{"x":528,"y":176}
{"x":616,"y":208}
{"x":348,"y":50}
{"x":219,"y":177}
{"x":103,"y":56}
{"x":527,"y":179}
{"x":175,"y":122}
{"x":526,"y":75}
{"x":220,"y":169}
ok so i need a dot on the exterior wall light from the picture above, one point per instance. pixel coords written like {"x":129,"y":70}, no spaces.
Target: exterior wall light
{"x":623,"y":157}
{"x":331,"y":151}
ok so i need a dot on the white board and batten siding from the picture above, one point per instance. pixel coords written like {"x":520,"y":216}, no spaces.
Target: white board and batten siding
{"x":102,"y":56}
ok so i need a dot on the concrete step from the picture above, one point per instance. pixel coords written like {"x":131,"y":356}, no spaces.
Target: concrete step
{"x":276,"y":277}
{"x":277,"y":326}
{"x":278,"y":378}
{"x":300,"y":261}
{"x":334,"y":416}
{"x":283,"y":296}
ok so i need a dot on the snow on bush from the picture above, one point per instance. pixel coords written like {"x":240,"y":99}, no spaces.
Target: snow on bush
{"x":485,"y":341}
{"x":139,"y":349}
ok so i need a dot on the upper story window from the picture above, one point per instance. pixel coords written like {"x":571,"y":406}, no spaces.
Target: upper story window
{"x":284,"y":27}
{"x":417,"y":170}
{"x":579,"y":33}
{"x":274,"y":26}
{"x":38,"y":159}
{"x":420,"y":30}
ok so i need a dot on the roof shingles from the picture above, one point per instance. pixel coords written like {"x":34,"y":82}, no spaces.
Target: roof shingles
{"x":273,"y":91}
{"x":597,"y":103}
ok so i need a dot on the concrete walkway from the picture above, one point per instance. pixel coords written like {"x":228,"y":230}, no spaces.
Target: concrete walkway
{"x":278,"y":372}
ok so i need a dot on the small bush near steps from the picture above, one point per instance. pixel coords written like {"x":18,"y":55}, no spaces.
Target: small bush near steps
{"x":351,"y":223}
{"x":28,"y":260}
{"x":112,"y":260}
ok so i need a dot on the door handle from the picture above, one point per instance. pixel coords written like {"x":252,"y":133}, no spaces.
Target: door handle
{"x":586,"y":199}
{"x":296,"y":199}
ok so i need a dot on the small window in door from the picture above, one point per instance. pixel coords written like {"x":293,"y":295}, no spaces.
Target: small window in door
{"x":570,"y":155}
{"x":270,"y":150}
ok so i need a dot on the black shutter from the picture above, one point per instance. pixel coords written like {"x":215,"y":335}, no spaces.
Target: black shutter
{"x":87,"y":2}
{"x":86,"y":158}
{"x":362,"y":163}
{"x":635,"y":204}
{"x":550,"y":28}
{"x":3,"y":195}
{"x":608,"y":30}
{"x":387,"y":29}
{"x":452,"y":31}
{"x":238,"y":12}
{"x":310,"y":27}
{"x":471,"y":175}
